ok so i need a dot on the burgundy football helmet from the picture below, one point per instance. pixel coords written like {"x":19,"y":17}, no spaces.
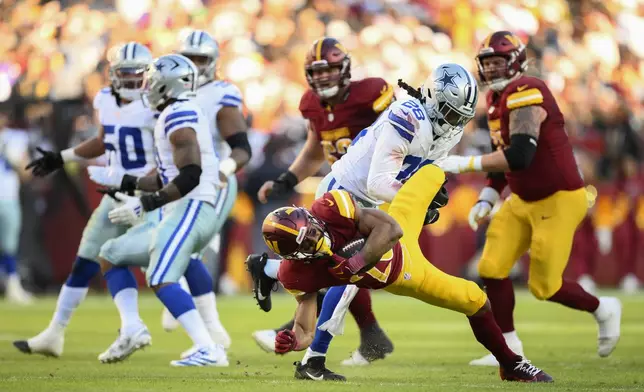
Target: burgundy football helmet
{"x":293,"y":233}
{"x":328,"y":54}
{"x":509,"y":46}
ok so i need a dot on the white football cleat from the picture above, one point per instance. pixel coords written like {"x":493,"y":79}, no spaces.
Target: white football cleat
{"x":356,"y":359}
{"x":168,"y":322}
{"x":609,"y":319}
{"x":15,"y":293}
{"x":265,"y":339}
{"x":49,"y":342}
{"x":513,"y":342}
{"x":124,"y":346}
{"x":205,"y":356}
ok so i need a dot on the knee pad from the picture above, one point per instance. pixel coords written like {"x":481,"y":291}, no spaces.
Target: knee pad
{"x":543,"y":290}
{"x":83,"y":271}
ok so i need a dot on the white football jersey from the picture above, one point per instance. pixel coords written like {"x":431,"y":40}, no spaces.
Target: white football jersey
{"x":14,"y":145}
{"x":386,"y":154}
{"x":187,"y":114}
{"x":213,"y":96}
{"x":127,"y":130}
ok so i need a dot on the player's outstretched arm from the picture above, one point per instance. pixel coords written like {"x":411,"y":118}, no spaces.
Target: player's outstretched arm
{"x":305,"y":318}
{"x":307,"y":163}
{"x":233,"y":127}
{"x":525,"y":125}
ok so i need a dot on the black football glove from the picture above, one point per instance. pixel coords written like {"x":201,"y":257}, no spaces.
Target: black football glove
{"x":431,"y":217}
{"x":284,"y":184}
{"x":441,"y":199}
{"x":49,"y":162}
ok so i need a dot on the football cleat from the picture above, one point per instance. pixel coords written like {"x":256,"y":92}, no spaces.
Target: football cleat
{"x":124,"y":346}
{"x":15,"y":293}
{"x":523,"y":371}
{"x":49,"y":343}
{"x":609,"y":318}
{"x":265,"y":339}
{"x":206,"y":356}
{"x":374,"y":345}
{"x":262,"y":283}
{"x":315,"y":370}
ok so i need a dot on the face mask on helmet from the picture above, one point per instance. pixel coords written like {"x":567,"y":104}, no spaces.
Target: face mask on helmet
{"x":313,"y":241}
{"x":494,"y":72}
{"x":128,"y":81}
{"x":325,"y":79}
{"x":205,"y":65}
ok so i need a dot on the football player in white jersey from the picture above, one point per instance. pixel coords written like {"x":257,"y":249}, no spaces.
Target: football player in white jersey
{"x":222,"y":103}
{"x":125,"y":133}
{"x":411,"y":133}
{"x":14,"y":146}
{"x":186,"y":191}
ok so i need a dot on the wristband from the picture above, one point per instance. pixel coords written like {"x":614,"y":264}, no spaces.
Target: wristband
{"x":288,"y":179}
{"x":69,"y":155}
{"x":154,"y":200}
{"x":228,"y":166}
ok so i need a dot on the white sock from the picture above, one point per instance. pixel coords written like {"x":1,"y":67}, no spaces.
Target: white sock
{"x":127,"y":303}
{"x":207,"y":306}
{"x":271,"y":267}
{"x":195,"y":327}
{"x":310,"y":354}
{"x":184,"y":284}
{"x":68,"y":300}
{"x":511,"y":336}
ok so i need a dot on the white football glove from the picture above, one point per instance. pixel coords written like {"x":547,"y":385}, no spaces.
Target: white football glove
{"x":109,"y":176}
{"x":460,"y":164}
{"x":487,"y":199}
{"x":129,"y":212}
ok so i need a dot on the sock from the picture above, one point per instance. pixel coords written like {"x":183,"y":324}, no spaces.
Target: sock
{"x":206,"y":305}
{"x":180,"y":304}
{"x":74,"y":290}
{"x":68,"y":300}
{"x":118,"y":279}
{"x":287,"y":325}
{"x":572,"y":295}
{"x":198,"y":278}
{"x":361,"y":309}
{"x":487,"y":333}
{"x":127,"y":303}
{"x":271,"y":267}
{"x":322,"y":339}
{"x":9,"y":264}
{"x":501,"y":295}
{"x":311,"y":354}
{"x":82,"y":272}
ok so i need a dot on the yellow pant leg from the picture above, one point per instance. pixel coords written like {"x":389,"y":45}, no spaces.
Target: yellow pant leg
{"x":507,"y":238}
{"x":410,"y":204}
{"x":554,"y":221}
{"x":421,"y":280}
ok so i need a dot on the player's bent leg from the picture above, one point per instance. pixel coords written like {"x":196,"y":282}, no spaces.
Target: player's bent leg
{"x":374,"y":343}
{"x":550,"y":251}
{"x":186,"y":229}
{"x":507,"y":238}
{"x":168,"y":322}
{"x":98,"y":230}
{"x":263,"y":273}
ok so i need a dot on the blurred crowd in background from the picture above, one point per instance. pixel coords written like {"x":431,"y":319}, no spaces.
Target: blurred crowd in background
{"x":52,"y":63}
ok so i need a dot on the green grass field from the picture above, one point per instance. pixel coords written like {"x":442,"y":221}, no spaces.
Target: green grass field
{"x":433,"y":347}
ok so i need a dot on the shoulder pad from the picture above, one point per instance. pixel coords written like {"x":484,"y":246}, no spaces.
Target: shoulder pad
{"x":406,"y":117}
{"x":101,"y":97}
{"x":231,"y":95}
{"x":309,"y":103}
{"x":179,"y":115}
{"x":524,"y":91}
{"x":334,"y":203}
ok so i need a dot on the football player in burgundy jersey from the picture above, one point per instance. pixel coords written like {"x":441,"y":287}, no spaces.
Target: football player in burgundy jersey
{"x":337,"y":109}
{"x":311,"y":241}
{"x":534,"y":158}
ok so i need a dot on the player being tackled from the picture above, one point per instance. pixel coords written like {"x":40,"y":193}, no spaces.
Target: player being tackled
{"x":391,"y":259}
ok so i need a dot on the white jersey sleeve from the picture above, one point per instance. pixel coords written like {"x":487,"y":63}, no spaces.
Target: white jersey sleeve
{"x":100,"y":98}
{"x":231,"y":96}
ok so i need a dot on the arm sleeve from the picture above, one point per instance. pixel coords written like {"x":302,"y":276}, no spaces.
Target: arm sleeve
{"x":386,"y":163}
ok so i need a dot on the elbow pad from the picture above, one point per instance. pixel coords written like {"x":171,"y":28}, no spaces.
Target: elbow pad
{"x":521,"y":151}
{"x":239,"y":140}
{"x":188,"y":179}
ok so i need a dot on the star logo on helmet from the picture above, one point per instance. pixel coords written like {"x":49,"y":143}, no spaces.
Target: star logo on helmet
{"x":447,"y":80}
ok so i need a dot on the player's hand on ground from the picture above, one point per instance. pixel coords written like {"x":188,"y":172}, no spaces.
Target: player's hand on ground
{"x":487,"y":199}
{"x":129,"y":211}
{"x":49,"y":162}
{"x":285,"y":341}
{"x":265,"y":191}
{"x":109,"y":176}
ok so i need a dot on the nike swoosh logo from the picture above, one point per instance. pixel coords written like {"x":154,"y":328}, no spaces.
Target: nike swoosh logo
{"x":260,"y":297}
{"x":521,"y":88}
{"x":318,"y":378}
{"x":404,"y":112}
